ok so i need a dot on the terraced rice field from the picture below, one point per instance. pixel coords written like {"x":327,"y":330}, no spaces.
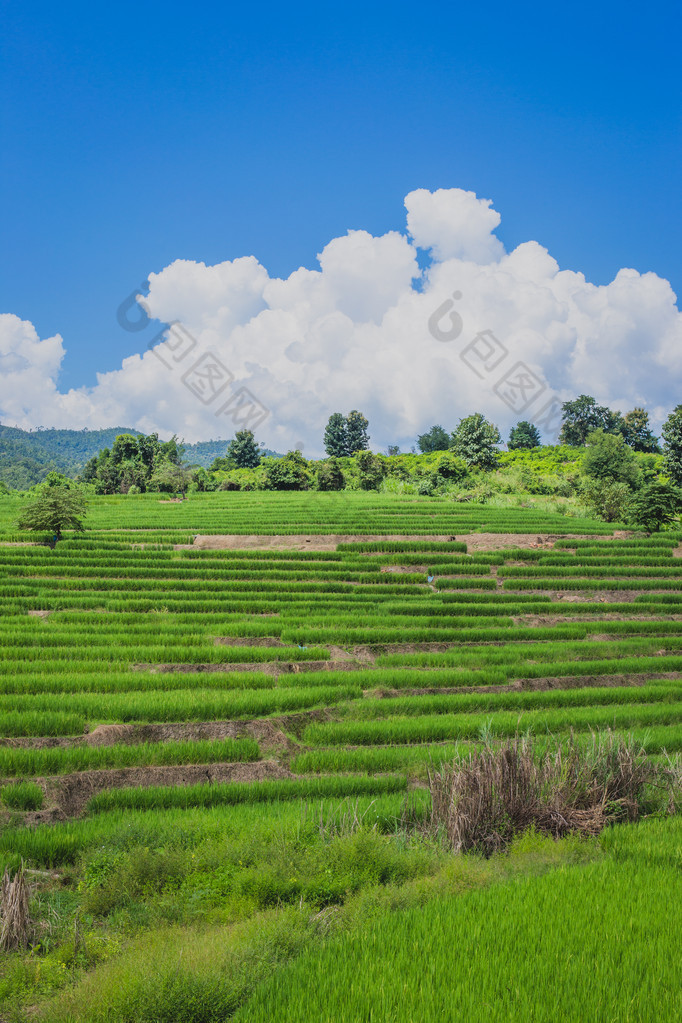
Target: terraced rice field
{"x":135,"y":662}
{"x":198,"y":699}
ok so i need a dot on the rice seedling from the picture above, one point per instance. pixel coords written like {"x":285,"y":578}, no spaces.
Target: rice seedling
{"x":236,"y":792}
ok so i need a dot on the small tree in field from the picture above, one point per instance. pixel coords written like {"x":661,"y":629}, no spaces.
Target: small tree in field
{"x":635,"y":428}
{"x":357,"y":438}
{"x":608,"y":499}
{"x":170,"y":479}
{"x":582,"y":416}
{"x":55,"y":508}
{"x":371,"y":470}
{"x":608,"y":457}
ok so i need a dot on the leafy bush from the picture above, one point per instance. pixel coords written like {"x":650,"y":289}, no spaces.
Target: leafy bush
{"x":609,"y":458}
{"x":371,"y":469}
{"x":330,"y":475}
{"x":607,"y":499}
{"x":288,"y":473}
{"x":475,"y":440}
{"x":656,"y":504}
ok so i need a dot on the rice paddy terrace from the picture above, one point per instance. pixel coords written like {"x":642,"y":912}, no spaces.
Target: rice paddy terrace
{"x":236,"y":658}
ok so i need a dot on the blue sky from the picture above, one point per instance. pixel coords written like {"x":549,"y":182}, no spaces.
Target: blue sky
{"x":137,"y":134}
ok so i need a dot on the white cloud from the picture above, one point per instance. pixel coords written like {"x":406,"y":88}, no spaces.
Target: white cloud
{"x":454,"y":224}
{"x":355,"y":334}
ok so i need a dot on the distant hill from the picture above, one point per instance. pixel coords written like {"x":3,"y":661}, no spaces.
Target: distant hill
{"x":26,"y":457}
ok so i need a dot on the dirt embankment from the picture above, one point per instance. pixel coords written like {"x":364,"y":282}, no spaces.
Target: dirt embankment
{"x":67,"y":795}
{"x":267,"y":732}
{"x":329,"y":541}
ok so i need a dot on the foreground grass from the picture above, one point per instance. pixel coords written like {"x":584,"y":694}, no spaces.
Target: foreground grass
{"x":205,"y":972}
{"x":572,"y":930}
{"x":593,"y":942}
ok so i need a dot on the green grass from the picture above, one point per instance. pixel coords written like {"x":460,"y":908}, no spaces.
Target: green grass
{"x":60,"y":760}
{"x":159,"y":797}
{"x":22,"y":795}
{"x":595,"y":942}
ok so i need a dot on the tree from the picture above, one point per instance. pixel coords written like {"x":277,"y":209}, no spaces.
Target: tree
{"x":656,"y":504}
{"x":392,"y":450}
{"x":288,"y":473}
{"x":344,"y":435}
{"x":523,"y":436}
{"x":335,"y":436}
{"x":55,"y":508}
{"x":435,"y":439}
{"x":149,"y":448}
{"x":171,"y":451}
{"x":582,"y":416}
{"x":672,"y":445}
{"x":637,"y":433}
{"x":609,"y":458}
{"x":124,"y":448}
{"x":357,"y":438}
{"x":244,"y":450}
{"x":474,"y":440}
{"x":371,"y":470}
{"x":169,"y":478}
{"x":607,"y":499}
{"x":330,"y":475}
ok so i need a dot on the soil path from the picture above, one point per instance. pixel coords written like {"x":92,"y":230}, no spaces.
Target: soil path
{"x":329,"y":541}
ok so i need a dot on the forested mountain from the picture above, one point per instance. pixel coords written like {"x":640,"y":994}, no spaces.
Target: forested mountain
{"x":26,"y":457}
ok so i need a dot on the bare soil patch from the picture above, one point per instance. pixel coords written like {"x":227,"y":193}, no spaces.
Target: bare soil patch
{"x":39,"y":614}
{"x":329,"y":541}
{"x":533,"y":620}
{"x":586,"y":596}
{"x":531,"y":685}
{"x":274,"y":668}
{"x":266,"y":732}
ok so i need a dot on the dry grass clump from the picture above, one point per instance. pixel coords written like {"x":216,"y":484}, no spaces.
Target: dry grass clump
{"x":15,"y":920}
{"x":481,"y":800}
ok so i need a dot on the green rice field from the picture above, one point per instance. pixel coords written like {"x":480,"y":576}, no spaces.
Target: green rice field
{"x":214,"y":713}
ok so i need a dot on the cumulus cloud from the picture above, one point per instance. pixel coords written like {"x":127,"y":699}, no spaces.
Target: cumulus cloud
{"x":478,"y":329}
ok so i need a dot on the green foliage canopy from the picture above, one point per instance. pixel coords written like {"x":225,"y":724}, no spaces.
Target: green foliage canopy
{"x":672,"y":445}
{"x":581,"y":417}
{"x":656,"y":504}
{"x":244,"y":450}
{"x":435,"y":439}
{"x":609,"y":458}
{"x":475,"y":440}
{"x":54,"y":508}
{"x":524,"y":435}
